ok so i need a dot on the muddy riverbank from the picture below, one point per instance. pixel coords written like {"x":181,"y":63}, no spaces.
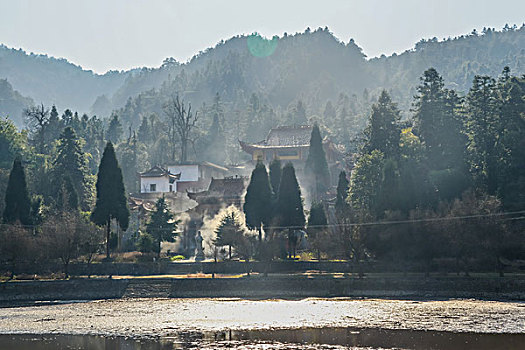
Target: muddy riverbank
{"x":241,"y":323}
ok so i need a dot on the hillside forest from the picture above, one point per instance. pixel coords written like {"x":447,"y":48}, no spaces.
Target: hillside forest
{"x":434,"y":139}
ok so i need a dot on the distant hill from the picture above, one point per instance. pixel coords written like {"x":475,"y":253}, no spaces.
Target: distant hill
{"x":313,"y":66}
{"x":12,"y":103}
{"x":50,"y":80}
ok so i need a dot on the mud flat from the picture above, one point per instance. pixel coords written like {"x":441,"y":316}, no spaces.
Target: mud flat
{"x":314,"y":323}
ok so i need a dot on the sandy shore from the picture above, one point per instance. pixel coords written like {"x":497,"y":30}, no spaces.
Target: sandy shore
{"x":163,"y":317}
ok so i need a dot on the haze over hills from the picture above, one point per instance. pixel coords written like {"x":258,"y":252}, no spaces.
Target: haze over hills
{"x":313,"y":66}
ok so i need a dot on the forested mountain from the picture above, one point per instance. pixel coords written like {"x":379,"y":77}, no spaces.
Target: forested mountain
{"x":261,"y":83}
{"x":12,"y":102}
{"x":50,"y":80}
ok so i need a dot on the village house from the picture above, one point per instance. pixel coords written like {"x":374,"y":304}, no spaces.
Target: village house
{"x":180,"y":177}
{"x":158,"y":179}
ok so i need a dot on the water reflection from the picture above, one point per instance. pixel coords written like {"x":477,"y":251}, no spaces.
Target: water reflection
{"x":304,"y":338}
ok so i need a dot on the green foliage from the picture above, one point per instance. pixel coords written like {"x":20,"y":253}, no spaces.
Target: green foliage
{"x":383,"y":130}
{"x":17,"y":203}
{"x":366,"y":181}
{"x":341,"y":204}
{"x":317,"y":228}
{"x":289,"y":202}
{"x":229,"y":232}
{"x":114,"y":132}
{"x":316,"y":165}
{"x":70,"y":168}
{"x":146,"y":243}
{"x":111,"y":196}
{"x":438,"y":124}
{"x":275,"y":176}
{"x":12,"y":143}
{"x":258,"y":200}
{"x":67,"y":198}
{"x":162,"y":225}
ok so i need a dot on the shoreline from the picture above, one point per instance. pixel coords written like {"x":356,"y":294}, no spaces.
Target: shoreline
{"x":509,"y":288}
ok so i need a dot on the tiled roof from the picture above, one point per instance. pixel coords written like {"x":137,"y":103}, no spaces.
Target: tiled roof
{"x":295,"y":135}
{"x":158,"y":171}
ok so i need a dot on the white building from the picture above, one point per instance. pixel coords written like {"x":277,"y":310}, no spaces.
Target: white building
{"x":158,"y":179}
{"x":196,"y":177}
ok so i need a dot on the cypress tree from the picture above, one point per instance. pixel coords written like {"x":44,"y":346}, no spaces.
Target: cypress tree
{"x":290,"y":205}
{"x":289,"y":202}
{"x":275,"y":175}
{"x":341,"y":205}
{"x":111,"y":197}
{"x":17,"y":202}
{"x":316,"y":226}
{"x":258,"y":200}
{"x":316,"y":166}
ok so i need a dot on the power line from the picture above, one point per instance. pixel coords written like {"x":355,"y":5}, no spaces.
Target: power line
{"x":370,"y":223}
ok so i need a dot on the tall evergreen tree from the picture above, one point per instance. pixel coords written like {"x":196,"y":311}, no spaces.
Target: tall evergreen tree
{"x":111,"y":195}
{"x":484,"y":128}
{"x":71,"y":162}
{"x":162,"y":224}
{"x":290,"y":205}
{"x":437,"y":123}
{"x":258,"y":200}
{"x":144,"y":132}
{"x":316,"y":165}
{"x":442,"y":134}
{"x":383,"y":131}
{"x":17,"y":202}
{"x":229,"y":231}
{"x":114,"y":132}
{"x":275,"y":176}
{"x":341,"y":204}
{"x":317,"y":226}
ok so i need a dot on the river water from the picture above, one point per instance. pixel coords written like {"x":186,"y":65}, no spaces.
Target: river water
{"x":264,"y":324}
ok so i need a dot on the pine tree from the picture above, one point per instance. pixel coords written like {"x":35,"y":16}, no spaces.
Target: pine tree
{"x":114,"y":132}
{"x":275,"y":176}
{"x":484,"y":127}
{"x":162,"y":224}
{"x":316,"y":165}
{"x":441,"y":131}
{"x":144,"y":133}
{"x":17,"y":202}
{"x":258,"y":200}
{"x":229,"y":232}
{"x":383,"y":131}
{"x":437,"y":123}
{"x":71,"y":162}
{"x":290,"y":205}
{"x":111,"y":195}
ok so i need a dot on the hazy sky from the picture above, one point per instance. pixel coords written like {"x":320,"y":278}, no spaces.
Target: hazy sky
{"x":121,"y":34}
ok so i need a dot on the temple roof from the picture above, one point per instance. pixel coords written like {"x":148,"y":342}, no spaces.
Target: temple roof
{"x":296,"y":135}
{"x":158,"y":171}
{"x":282,"y":137}
{"x":227,"y":187}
